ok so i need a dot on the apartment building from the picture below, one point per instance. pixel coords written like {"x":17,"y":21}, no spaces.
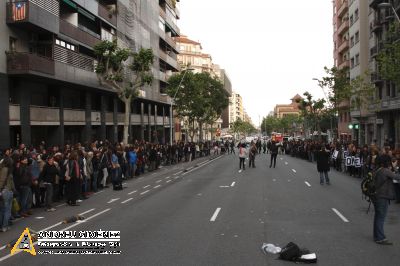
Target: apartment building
{"x":282,"y":110}
{"x":385,"y":126}
{"x":341,"y":54}
{"x":236,"y":110}
{"x":49,"y":90}
{"x":359,"y":64}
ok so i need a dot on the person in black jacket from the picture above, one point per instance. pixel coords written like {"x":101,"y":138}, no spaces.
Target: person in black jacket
{"x":274,"y":153}
{"x":384,"y":194}
{"x":23,"y":181}
{"x":48,"y":178}
{"x":323,"y":167}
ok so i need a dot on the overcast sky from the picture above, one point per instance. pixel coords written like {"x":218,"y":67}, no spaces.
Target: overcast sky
{"x":271,"y":49}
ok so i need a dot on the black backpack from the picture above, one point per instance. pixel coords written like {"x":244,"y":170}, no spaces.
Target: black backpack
{"x":368,"y":188}
{"x":292,"y":252}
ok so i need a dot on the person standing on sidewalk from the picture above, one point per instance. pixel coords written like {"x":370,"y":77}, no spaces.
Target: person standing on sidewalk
{"x":23,"y":181}
{"x":322,"y":157}
{"x":242,"y":156}
{"x":274,"y":153}
{"x":384,"y":194}
{"x":48,"y":178}
{"x":6,"y":192}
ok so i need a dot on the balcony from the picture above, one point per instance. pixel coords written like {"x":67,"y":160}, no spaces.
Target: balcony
{"x":343,"y":9}
{"x":343,"y":46}
{"x":344,"y":64}
{"x":343,"y":27}
{"x":27,"y":63}
{"x":373,"y":51}
{"x":74,"y":59}
{"x":79,"y":33}
{"x":42,"y":16}
{"x":74,"y":117}
{"x":44,"y":116}
{"x":376,"y":26}
{"x":390,"y":104}
{"x":107,"y":14}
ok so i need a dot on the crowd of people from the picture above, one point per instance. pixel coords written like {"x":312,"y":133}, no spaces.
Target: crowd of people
{"x":36,"y":177}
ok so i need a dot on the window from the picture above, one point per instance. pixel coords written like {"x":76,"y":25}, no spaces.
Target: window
{"x":352,"y":62}
{"x":357,"y":37}
{"x":352,"y":41}
{"x":356,"y":15}
{"x":65,"y":45}
{"x":351,"y":20}
{"x":357,"y":59}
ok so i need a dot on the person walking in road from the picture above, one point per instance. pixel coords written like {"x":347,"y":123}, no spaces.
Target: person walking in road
{"x":274,"y":153}
{"x":252,"y":155}
{"x":242,"y":156}
{"x":384,"y":194}
{"x":323,"y":167}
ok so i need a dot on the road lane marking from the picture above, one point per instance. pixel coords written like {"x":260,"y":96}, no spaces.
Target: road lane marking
{"x":153,"y":174}
{"x":112,"y":200}
{"x":83,"y":213}
{"x":87,"y":219}
{"x":214,"y":217}
{"x":125,"y":201}
{"x":190,"y":168}
{"x":194,"y":169}
{"x":157,"y":186}
{"x":144,"y":192}
{"x":240,"y":170}
{"x":158,"y":181}
{"x":274,"y":180}
{"x":168,"y":177}
{"x":146,"y":186}
{"x":286,"y":163}
{"x":223,"y":186}
{"x":308,"y":184}
{"x":169,"y":181}
{"x":176,"y":177}
{"x":58,"y":206}
{"x":98,"y":192}
{"x":294,"y":171}
{"x":340,"y":215}
{"x":281,"y":158}
{"x":178,"y":173}
{"x":132,"y":192}
{"x":233,"y":184}
{"x":39,"y":217}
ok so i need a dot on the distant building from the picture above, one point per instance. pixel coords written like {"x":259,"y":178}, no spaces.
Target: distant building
{"x":235,"y":108}
{"x":282,"y":110}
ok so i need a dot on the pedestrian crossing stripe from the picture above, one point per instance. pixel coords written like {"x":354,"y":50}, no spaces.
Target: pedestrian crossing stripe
{"x":24,"y":243}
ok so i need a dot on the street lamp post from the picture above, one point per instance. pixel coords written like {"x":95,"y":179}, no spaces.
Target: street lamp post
{"x":389,"y":5}
{"x":172,"y":101}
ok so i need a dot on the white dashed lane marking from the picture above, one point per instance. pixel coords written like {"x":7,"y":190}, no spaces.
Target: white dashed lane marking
{"x":112,"y":200}
{"x":146,"y":186}
{"x":125,"y":201}
{"x":132,"y":192}
{"x":214,"y":217}
{"x":308,"y":184}
{"x":144,"y":192}
{"x":340,"y":215}
{"x":157,"y":186}
{"x":294,"y":171}
{"x":233,"y":184}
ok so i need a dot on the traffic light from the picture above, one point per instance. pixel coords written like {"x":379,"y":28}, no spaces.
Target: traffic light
{"x":354,"y":126}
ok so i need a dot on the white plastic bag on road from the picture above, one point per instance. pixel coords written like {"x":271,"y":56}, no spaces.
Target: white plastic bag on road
{"x":270,"y":248}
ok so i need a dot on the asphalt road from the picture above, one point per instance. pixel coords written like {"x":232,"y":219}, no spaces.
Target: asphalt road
{"x":209,"y":213}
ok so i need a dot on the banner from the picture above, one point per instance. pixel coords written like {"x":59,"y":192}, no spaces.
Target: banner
{"x":335,"y":154}
{"x":350,"y":161}
{"x":353,"y":161}
{"x":19,"y":11}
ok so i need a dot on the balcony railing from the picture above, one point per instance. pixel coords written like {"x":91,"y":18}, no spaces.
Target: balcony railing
{"x":38,"y":13}
{"x":342,"y":9}
{"x":343,"y":46}
{"x":74,"y":59}
{"x":25,"y":63}
{"x":343,"y":27}
{"x":108,"y":15}
{"x":78,"y":33}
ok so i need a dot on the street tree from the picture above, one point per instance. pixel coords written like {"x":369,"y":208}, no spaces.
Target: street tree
{"x":312,"y":110}
{"x":389,"y":58}
{"x":200,"y":99}
{"x":124,"y":72}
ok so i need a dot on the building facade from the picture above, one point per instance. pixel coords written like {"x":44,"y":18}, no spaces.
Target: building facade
{"x":282,"y":110}
{"x":385,"y":125}
{"x":359,"y":65}
{"x":341,"y":54}
{"x":236,"y":110}
{"x":49,"y":90}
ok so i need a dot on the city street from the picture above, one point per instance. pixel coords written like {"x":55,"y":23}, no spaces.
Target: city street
{"x":209,"y":213}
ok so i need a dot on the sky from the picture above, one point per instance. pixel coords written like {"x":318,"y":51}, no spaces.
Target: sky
{"x":271,"y":49}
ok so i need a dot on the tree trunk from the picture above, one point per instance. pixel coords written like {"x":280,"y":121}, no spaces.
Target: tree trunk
{"x":201,"y":131}
{"x":127,"y":102}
